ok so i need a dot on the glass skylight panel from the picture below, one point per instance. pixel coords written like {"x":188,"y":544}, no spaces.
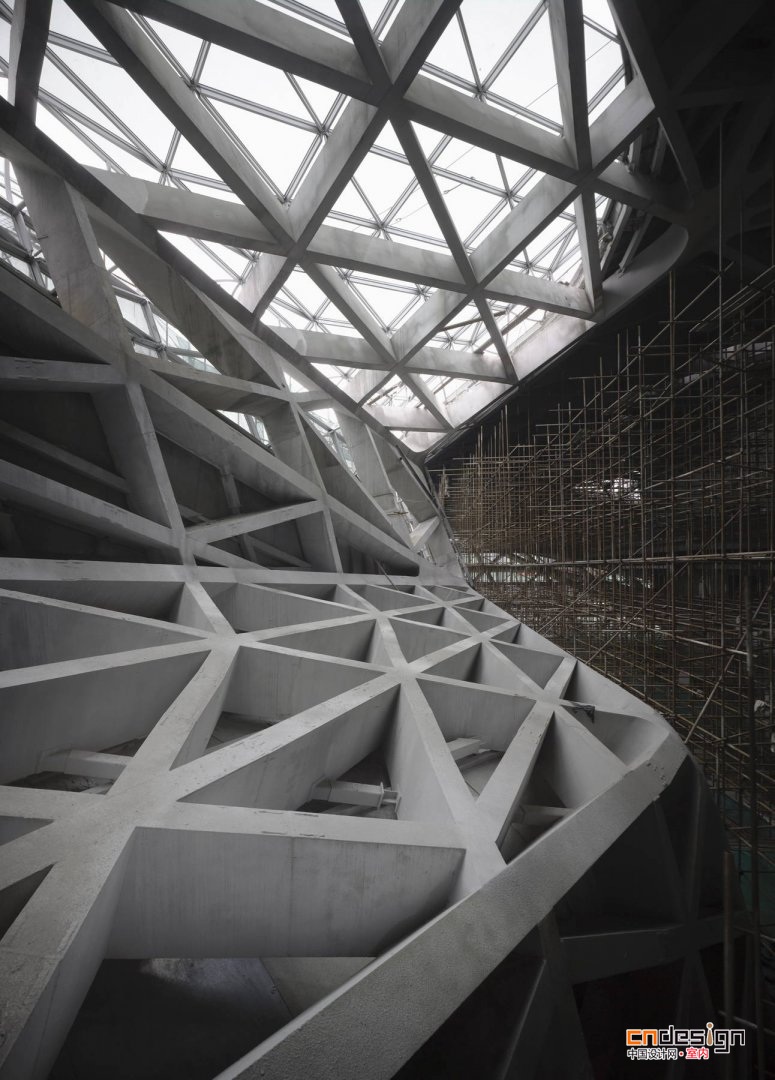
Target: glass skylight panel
{"x":415,"y":219}
{"x":470,"y":163}
{"x":122,"y":96}
{"x":321,"y":98}
{"x":302,"y":289}
{"x":236,"y":75}
{"x":468,"y":206}
{"x":599,"y":12}
{"x":498,"y":50}
{"x":603,"y":59}
{"x":539,"y":250}
{"x":606,"y":95}
{"x":200,"y":255}
{"x":68,"y":140}
{"x":64,"y":21}
{"x":528,"y":79}
{"x":383,"y":181}
{"x":133,"y":313}
{"x":431,"y":141}
{"x":450,"y":56}
{"x":335,"y":374}
{"x":350,"y":209}
{"x":500,"y":209}
{"x":324,"y":13}
{"x":183,"y":47}
{"x":289,"y":144}
{"x":387,"y":302}
{"x":491,"y":25}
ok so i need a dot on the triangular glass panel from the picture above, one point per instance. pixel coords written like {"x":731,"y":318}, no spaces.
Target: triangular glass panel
{"x":122,"y":95}
{"x":528,"y":79}
{"x":386,"y":300}
{"x":70,"y":141}
{"x":603,"y":60}
{"x":243,"y":77}
{"x":321,"y":98}
{"x":383,"y":181}
{"x":449,"y":55}
{"x":187,"y":160}
{"x":351,"y":209}
{"x":185,"y":48}
{"x":492,"y":27}
{"x":469,"y":162}
{"x":290,"y":145}
{"x":469,"y":207}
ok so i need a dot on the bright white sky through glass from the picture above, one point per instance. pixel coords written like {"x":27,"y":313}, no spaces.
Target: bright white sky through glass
{"x":499,"y":51}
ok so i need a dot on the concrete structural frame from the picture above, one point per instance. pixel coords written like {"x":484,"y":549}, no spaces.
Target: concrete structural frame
{"x":250,"y":707}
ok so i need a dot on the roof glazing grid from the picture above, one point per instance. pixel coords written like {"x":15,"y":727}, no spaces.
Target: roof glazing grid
{"x":425,"y":203}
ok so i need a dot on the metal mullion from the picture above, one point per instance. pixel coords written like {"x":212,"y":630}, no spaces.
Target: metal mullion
{"x":560,"y":256}
{"x":384,"y":18}
{"x":351,"y":219}
{"x":160,"y":44}
{"x":399,"y":286}
{"x":527,"y":27}
{"x":82,"y":47}
{"x":406,"y":310}
{"x":367,"y":201}
{"x":55,"y":104}
{"x":314,"y":17}
{"x":569,"y":229}
{"x":407,"y":234}
{"x":194,"y":178}
{"x":526,"y":114}
{"x":506,"y":186}
{"x":206,"y":104}
{"x":606,"y":88}
{"x":201,"y":244}
{"x":99,"y":104}
{"x":469,"y":181}
{"x":447,"y":76}
{"x":267,"y":111}
{"x":304,"y":166}
{"x":285,"y":298}
{"x":304,"y":100}
{"x":602,"y":30}
{"x":93,"y":146}
{"x":374,"y":314}
{"x":485,"y":222}
{"x":467,"y":46}
{"x":331,"y":116}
